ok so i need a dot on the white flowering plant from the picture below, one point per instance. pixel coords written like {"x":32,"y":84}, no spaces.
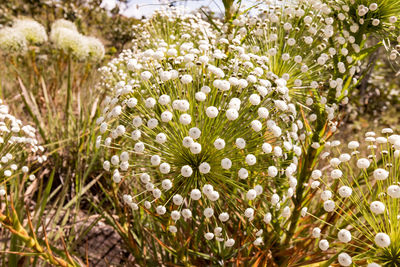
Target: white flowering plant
{"x":17,"y":141}
{"x":186,"y":136}
{"x":168,"y":160}
{"x":212,"y":136}
{"x":197,"y":120}
{"x":54,"y":91}
{"x":360,"y":190}
{"x":20,"y":154}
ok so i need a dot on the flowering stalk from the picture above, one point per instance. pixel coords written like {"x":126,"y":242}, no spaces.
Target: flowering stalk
{"x":360,"y":196}
{"x":67,"y":104}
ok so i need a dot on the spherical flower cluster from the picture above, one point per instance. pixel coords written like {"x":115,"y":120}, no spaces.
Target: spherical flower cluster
{"x":70,"y":41}
{"x":33,"y":31}
{"x":62,"y":23}
{"x":19,"y":147}
{"x":12,"y":41}
{"x":195,"y":137}
{"x":95,"y":47}
{"x":363,"y":201}
{"x":65,"y":36}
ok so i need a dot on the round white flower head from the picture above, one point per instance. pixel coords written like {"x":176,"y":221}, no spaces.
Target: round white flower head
{"x":377,"y":207}
{"x":382,"y":240}
{"x":345,"y":191}
{"x":12,"y":41}
{"x":363,"y":163}
{"x":70,"y":41}
{"x":95,"y":48}
{"x":394,"y":191}
{"x":62,"y":23}
{"x":323,"y":244}
{"x":344,"y":236}
{"x":344,"y":259}
{"x":32,"y":30}
{"x":381,"y":174}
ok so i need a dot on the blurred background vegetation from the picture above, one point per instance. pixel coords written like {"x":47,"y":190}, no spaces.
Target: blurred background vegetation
{"x":37,"y":85}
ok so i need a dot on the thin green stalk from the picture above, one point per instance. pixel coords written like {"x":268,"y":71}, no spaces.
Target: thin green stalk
{"x":68,"y":93}
{"x":307,"y":167}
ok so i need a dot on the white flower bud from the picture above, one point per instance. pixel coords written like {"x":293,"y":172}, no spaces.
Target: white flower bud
{"x":219,"y":143}
{"x":329,"y":205}
{"x":272,"y":171}
{"x":267,"y":148}
{"x":166,"y":116}
{"x":316,"y":174}
{"x":232,"y":114}
{"x":195,"y":194}
{"x":325,"y":195}
{"x":382,"y":240}
{"x":175,"y":215}
{"x":186,"y":79}
{"x":336,"y":174}
{"x":344,"y":259}
{"x":377,"y":207}
{"x":251,"y":159}
{"x":240,"y":143}
{"x":363,"y":163}
{"x":323,"y":244}
{"x":161,"y":210}
{"x":166,"y":184}
{"x":195,"y":148}
{"x":212,"y":112}
{"x":345,"y":191}
{"x":177,"y":199}
{"x":155,"y":160}
{"x":209,"y":236}
{"x":165,"y":168}
{"x":275,"y":199}
{"x":394,"y":191}
{"x":381,"y":174}
{"x":243,"y":173}
{"x":194,"y":133}
{"x":223,"y":217}
{"x":249,"y":213}
{"x":316,"y":232}
{"x":229,"y":243}
{"x":226,"y":163}
{"x":204,"y":168}
{"x":251,"y":194}
{"x":256,"y":125}
{"x":344,"y":236}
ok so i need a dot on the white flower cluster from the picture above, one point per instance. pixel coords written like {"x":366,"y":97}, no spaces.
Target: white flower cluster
{"x":65,"y":36}
{"x":369,"y":16}
{"x":197,"y":132}
{"x":18,"y":147}
{"x":33,"y":31}
{"x":379,"y":17}
{"x":12,"y":41}
{"x":16,"y":39}
{"x":363,"y":194}
{"x":304,"y":48}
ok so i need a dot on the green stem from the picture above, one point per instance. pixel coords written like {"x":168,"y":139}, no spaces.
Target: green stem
{"x":307,"y":167}
{"x":68,"y":93}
